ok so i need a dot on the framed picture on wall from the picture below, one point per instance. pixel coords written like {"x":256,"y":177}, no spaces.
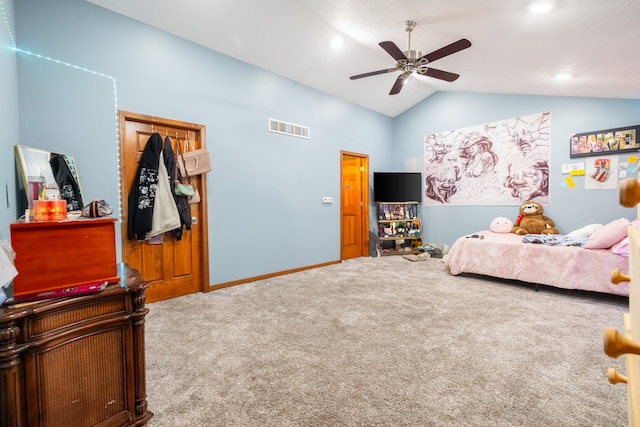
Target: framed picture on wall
{"x":607,"y":141}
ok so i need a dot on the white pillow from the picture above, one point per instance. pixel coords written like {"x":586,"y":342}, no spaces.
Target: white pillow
{"x":585,"y":231}
{"x":501,"y":225}
{"x":608,"y":235}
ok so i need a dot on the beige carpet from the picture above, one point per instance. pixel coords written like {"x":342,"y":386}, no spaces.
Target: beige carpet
{"x":383,"y":342}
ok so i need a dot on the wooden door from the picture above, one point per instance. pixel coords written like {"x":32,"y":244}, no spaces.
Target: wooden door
{"x":173,"y":268}
{"x":354,"y":205}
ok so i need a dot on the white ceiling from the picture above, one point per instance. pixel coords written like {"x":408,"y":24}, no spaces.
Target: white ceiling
{"x":513,"y":51}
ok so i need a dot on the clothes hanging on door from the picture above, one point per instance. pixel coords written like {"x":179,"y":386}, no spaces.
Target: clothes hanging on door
{"x":143,"y":191}
{"x":165,"y":215}
{"x":151,"y":192}
{"x":181,"y":202}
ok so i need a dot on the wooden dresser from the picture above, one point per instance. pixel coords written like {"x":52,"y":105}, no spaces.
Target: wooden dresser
{"x":76,"y":361}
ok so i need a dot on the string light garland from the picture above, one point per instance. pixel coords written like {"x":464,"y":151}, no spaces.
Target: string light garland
{"x":6,"y":24}
{"x":77,"y":67}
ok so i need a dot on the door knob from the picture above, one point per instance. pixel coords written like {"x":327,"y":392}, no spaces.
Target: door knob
{"x":617,"y":277}
{"x":629,"y":192}
{"x":616,"y":344}
{"x":615,"y":377}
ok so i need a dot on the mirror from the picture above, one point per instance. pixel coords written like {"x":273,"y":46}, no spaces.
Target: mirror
{"x":49,"y":175}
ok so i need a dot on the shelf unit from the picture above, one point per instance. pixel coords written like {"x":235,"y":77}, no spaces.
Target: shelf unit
{"x":399,"y":228}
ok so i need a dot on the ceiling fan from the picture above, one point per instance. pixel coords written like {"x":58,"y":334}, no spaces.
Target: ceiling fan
{"x":411,"y":61}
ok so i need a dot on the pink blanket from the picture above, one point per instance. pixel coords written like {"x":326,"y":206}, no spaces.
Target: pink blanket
{"x":507,"y":257}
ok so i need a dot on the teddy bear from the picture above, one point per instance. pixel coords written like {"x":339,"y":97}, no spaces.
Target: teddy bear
{"x":532,"y":221}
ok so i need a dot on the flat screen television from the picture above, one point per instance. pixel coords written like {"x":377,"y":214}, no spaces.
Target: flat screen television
{"x":397,"y":187}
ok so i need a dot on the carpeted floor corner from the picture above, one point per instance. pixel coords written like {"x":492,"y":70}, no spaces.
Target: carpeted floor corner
{"x":383,"y":342}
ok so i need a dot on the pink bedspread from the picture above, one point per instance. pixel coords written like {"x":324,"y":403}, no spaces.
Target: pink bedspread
{"x":507,"y":257}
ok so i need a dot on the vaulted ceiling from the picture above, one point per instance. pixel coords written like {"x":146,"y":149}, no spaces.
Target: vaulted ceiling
{"x":513,"y":50}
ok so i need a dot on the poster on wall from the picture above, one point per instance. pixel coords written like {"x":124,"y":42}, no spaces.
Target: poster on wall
{"x":601,"y":173}
{"x":497,"y":163}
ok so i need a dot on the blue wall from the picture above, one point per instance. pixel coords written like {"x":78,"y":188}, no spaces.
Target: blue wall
{"x":265,"y":192}
{"x":8,"y":120}
{"x":569,"y":208}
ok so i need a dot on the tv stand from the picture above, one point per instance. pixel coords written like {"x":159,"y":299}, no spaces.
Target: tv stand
{"x":399,"y":228}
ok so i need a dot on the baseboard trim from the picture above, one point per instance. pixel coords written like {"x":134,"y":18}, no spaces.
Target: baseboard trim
{"x":268,"y":276}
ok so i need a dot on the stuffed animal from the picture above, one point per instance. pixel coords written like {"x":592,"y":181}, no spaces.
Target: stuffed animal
{"x":501,"y":225}
{"x":532,"y":221}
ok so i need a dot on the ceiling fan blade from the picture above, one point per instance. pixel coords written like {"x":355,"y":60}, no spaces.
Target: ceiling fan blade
{"x":393,"y":50}
{"x":438,"y":74}
{"x":447,"y":50}
{"x":373,"y":73}
{"x":400,"y":81}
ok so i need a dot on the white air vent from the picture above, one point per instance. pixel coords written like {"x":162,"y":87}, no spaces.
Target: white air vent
{"x":278,"y":126}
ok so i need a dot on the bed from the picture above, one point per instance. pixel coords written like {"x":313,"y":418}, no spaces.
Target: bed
{"x":506,"y":256}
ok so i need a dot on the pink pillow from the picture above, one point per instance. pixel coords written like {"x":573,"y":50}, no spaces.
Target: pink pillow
{"x":622,"y":247}
{"x":608,"y":235}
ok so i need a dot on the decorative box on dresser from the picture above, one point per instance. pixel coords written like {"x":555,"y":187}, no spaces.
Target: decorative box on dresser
{"x":76,"y":361}
{"x":51,"y":255}
{"x":628,"y":343}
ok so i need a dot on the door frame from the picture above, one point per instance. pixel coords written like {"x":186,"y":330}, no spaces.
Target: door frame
{"x":364,"y":200}
{"x":123,"y":117}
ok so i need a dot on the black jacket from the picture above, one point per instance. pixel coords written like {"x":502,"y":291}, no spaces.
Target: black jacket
{"x":143,"y":190}
{"x":67,"y":184}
